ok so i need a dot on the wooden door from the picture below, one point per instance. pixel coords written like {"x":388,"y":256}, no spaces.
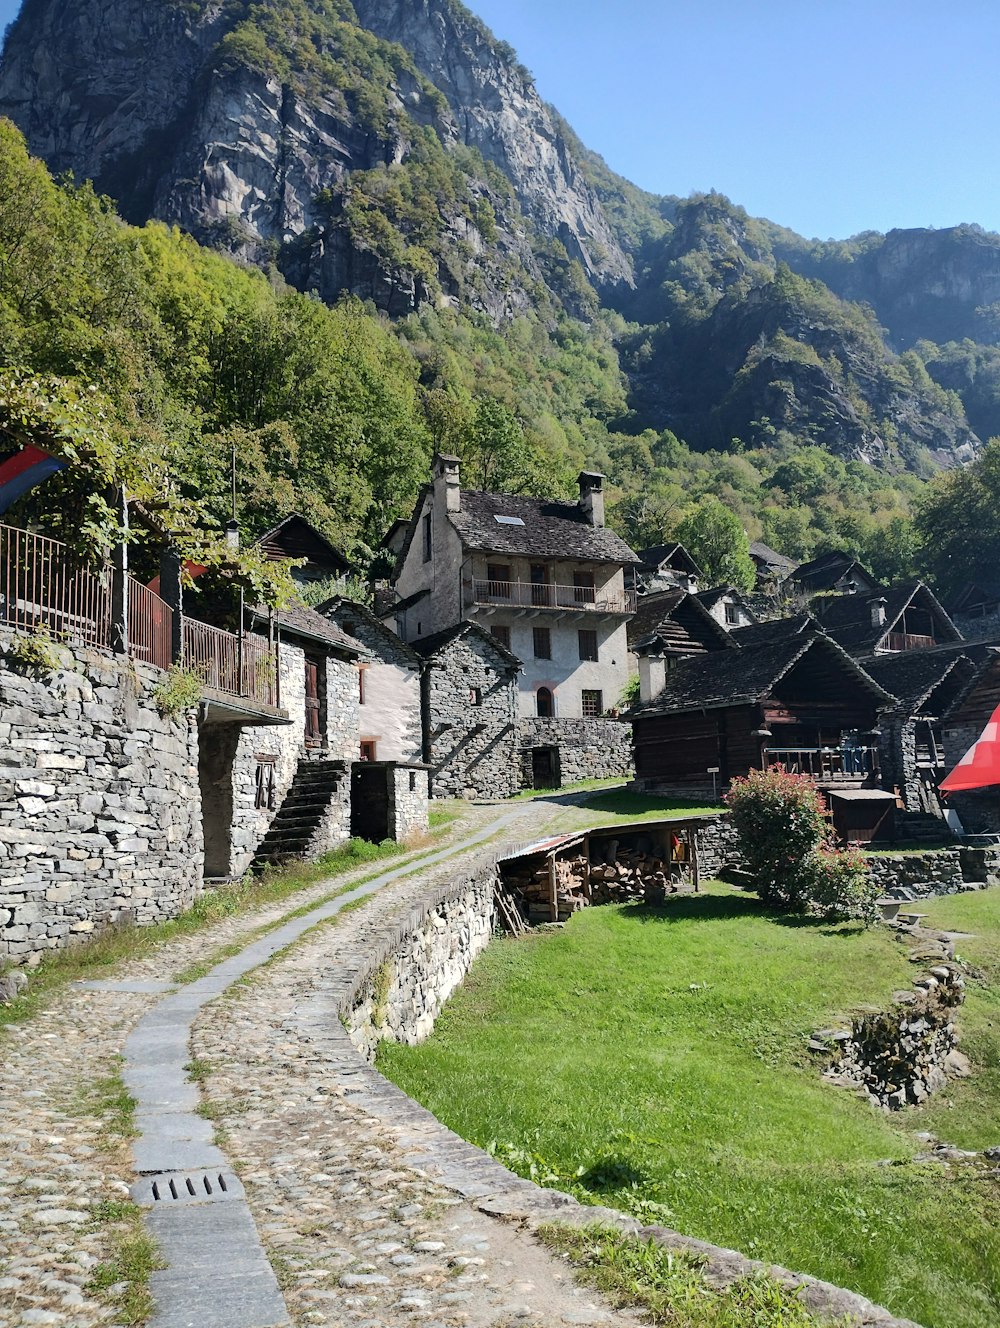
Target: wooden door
{"x":314,"y":731}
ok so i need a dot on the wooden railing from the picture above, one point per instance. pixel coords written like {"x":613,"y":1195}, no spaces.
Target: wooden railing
{"x":908,"y":641}
{"x":547,"y":595}
{"x":242,"y":666}
{"x":825,"y":763}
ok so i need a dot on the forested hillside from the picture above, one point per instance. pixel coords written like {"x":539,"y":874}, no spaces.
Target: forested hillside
{"x":356,"y":234}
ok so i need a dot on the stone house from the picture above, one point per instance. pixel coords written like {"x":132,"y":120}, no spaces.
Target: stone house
{"x":836,"y":571}
{"x":283,"y":790}
{"x":728,"y":606}
{"x":470,"y":713}
{"x":667,"y":567}
{"x":390,"y":716}
{"x":549,"y":581}
{"x":773,"y":568}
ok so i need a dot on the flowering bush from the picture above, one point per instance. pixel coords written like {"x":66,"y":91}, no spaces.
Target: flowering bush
{"x":780,"y":821}
{"x":786,"y":843}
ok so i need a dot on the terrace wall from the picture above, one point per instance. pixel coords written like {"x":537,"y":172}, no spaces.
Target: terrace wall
{"x":100,"y":808}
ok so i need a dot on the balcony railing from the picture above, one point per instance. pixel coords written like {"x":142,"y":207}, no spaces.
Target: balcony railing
{"x":908,"y":641}
{"x":241,"y":666}
{"x":526,"y":595}
{"x":44,"y":588}
{"x":825,"y":763}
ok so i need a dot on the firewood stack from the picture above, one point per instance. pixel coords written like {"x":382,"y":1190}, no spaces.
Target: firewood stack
{"x":631,"y":875}
{"x":533,"y":890}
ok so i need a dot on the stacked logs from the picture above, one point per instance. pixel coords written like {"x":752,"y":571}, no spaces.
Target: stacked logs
{"x":533,"y":890}
{"x":629,"y":875}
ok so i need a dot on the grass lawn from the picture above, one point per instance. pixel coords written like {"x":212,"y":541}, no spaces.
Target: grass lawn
{"x":655,"y":1061}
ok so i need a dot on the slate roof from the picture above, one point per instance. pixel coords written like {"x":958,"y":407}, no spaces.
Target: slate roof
{"x":912,"y":675}
{"x":742,"y":677}
{"x":551,"y":529}
{"x":771,"y":633}
{"x":657,"y":554}
{"x":679,"y":619}
{"x":299,"y":620}
{"x":764,"y":555}
{"x":826,"y":571}
{"x":847,"y":618}
{"x":426,"y":646}
{"x":361,"y":611}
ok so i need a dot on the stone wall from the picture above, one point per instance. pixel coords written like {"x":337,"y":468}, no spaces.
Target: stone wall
{"x":417,"y":968}
{"x":918,"y":875}
{"x":471,"y":733}
{"x":100,"y":810}
{"x":390,"y":715}
{"x":898,"y":1058}
{"x":408,"y":797}
{"x":718,"y":846}
{"x":588,"y":748}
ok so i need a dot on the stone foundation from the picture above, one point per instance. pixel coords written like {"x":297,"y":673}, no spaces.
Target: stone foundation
{"x":100,"y":808}
{"x":588,"y":748}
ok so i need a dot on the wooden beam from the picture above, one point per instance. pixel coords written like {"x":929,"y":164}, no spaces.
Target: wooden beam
{"x":693,"y":856}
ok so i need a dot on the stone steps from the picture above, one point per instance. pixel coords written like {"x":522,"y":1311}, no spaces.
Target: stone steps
{"x":307,"y":801}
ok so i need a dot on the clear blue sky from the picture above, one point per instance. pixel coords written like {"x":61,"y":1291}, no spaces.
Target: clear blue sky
{"x":829,"y":116}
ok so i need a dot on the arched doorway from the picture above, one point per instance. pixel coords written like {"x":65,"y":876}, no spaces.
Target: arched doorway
{"x":544,"y":703}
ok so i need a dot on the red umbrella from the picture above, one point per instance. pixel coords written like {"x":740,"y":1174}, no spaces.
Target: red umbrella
{"x":980,"y":766}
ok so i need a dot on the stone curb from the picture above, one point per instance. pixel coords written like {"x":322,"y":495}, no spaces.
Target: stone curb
{"x":234,"y":1286}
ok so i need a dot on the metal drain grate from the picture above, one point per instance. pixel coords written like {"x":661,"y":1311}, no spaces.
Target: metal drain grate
{"x":187,"y":1187}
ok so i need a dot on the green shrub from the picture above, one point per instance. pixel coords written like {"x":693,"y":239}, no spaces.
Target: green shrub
{"x":780,"y":819}
{"x":786,"y":843}
{"x":179,"y":690}
{"x":33,"y":653}
{"x":842,"y":887}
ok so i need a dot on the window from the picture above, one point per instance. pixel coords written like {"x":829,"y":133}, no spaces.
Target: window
{"x":592,"y":704}
{"x":508,"y":520}
{"x":583,"y":588}
{"x":498,"y":580}
{"x":361,"y":686}
{"x":413,"y":781}
{"x":475,"y":696}
{"x":732,"y":615}
{"x":542,"y":642}
{"x":428,"y":538}
{"x":368,"y":750}
{"x":588,"y":645}
{"x":502,"y":636}
{"x":541,"y":590}
{"x":544,"y":703}
{"x":265,"y":790}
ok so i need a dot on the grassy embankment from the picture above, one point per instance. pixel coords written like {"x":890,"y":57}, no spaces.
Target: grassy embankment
{"x":655,"y":1061}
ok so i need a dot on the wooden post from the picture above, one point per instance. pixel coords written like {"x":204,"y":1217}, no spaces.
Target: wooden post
{"x":171,"y":589}
{"x":693,"y":855}
{"x":119,"y":581}
{"x":553,"y":891}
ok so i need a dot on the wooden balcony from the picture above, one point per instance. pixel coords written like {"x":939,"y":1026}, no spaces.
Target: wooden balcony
{"x":898,"y":641}
{"x":526,"y":596}
{"x":826,"y":765}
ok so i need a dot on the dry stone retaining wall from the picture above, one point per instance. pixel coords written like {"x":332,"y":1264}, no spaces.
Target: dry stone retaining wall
{"x":946,"y":871}
{"x":588,"y":748}
{"x":100,"y":809}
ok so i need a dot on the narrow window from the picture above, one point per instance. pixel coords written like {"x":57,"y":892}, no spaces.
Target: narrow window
{"x":588,"y":645}
{"x":475,"y":696}
{"x":542,"y":641}
{"x":592,"y":704}
{"x":544,"y":703}
{"x":413,"y":781}
{"x":368,"y":751}
{"x":361,"y":686}
{"x":428,"y":538}
{"x":502,"y":636}
{"x":732,"y":615}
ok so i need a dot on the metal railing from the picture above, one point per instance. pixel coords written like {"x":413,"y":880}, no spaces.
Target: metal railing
{"x":242,"y":666}
{"x":43,"y":587}
{"x":825,"y":763}
{"x":547,"y":595}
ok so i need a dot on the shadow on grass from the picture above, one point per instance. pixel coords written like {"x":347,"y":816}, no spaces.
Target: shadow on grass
{"x":724,"y":908}
{"x":613,"y":1173}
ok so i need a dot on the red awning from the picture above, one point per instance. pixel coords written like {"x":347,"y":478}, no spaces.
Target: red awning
{"x":980,"y":766}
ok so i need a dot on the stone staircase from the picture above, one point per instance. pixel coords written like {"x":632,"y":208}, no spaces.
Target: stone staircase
{"x":921,"y":828}
{"x":317,"y":784}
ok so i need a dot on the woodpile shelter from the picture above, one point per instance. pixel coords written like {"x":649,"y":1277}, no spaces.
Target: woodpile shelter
{"x":551,"y":880}
{"x":798,"y":701}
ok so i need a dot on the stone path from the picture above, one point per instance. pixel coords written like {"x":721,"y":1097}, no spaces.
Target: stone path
{"x":62,"y":1168}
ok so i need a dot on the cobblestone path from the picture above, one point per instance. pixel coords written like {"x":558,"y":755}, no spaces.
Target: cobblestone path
{"x":324,"y":1182}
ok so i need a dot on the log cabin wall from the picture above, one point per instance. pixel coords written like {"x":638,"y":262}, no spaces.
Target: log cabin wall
{"x":677,"y":751}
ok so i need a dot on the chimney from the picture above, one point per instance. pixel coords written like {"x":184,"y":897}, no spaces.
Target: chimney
{"x":592,"y":496}
{"x":447,"y":483}
{"x":877,"y":607}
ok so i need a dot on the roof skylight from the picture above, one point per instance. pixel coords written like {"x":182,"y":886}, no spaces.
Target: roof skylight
{"x":508,"y":520}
